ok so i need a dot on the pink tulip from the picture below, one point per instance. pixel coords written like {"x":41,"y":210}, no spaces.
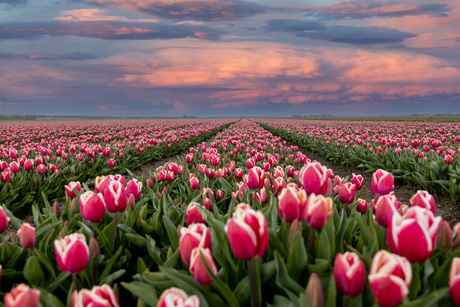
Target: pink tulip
{"x":29,"y":165}
{"x":454,"y":280}
{"x":423,"y":199}
{"x":238,"y":173}
{"x":291,"y":203}
{"x":317,"y":211}
{"x":358,"y":180}
{"x":349,"y":274}
{"x":92,"y":206}
{"x":448,"y":159}
{"x":119,"y":178}
{"x":361,"y":205}
{"x":390,"y":277}
{"x":22,"y":296}
{"x":6,"y":176}
{"x":101,"y":183}
{"x":14,"y":167}
{"x":72,"y":253}
{"x":194,"y":183}
{"x":413,"y":235}
{"x":247,"y":232}
{"x":175,"y":297}
{"x":26,"y":235}
{"x":70,"y":188}
{"x":197,"y":267}
{"x":196,"y":235}
{"x":189,"y":158}
{"x":384,"y":209}
{"x":102,"y":296}
{"x":134,"y":187}
{"x":382,"y":183}
{"x":4,"y":220}
{"x":115,"y":197}
{"x":193,"y":215}
{"x":313,"y":178}
{"x":111,"y":163}
{"x":256,"y":178}
{"x":314,"y":294}
{"x":347,"y":192}
{"x":219,"y":195}
{"x":278,"y":185}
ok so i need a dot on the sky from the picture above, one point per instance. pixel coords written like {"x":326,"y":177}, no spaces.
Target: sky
{"x":229,"y":57}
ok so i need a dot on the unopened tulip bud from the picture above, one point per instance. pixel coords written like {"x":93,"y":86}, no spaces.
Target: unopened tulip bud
{"x":131,"y":201}
{"x":74,"y":205}
{"x":64,"y":229}
{"x":56,"y":209}
{"x":72,"y":169}
{"x":198,"y":268}
{"x":149,"y":182}
{"x":219,"y":195}
{"x":35,"y":181}
{"x":295,"y":228}
{"x":444,"y":238}
{"x":94,"y":251}
{"x":314,"y":293}
{"x":361,"y":205}
{"x":14,"y":238}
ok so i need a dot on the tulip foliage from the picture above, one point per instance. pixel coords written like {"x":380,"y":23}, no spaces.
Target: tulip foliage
{"x":240,"y":219}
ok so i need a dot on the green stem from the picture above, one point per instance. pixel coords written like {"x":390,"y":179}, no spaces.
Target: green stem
{"x":117,"y":239}
{"x":254,"y":287}
{"x":93,"y":273}
{"x":311,"y":241}
{"x":74,"y":280}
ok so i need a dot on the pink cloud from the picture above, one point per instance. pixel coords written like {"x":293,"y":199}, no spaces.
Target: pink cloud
{"x":95,"y":15}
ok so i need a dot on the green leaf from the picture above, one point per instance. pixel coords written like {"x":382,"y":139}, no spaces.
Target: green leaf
{"x":297,"y":259}
{"x":33,"y":271}
{"x":57,"y":281}
{"x":109,"y":279}
{"x":144,"y":291}
{"x":283,"y":280}
{"x":136,"y":239}
{"x":48,"y":299}
{"x":173,"y":234}
{"x":109,"y":265}
{"x":430,"y":300}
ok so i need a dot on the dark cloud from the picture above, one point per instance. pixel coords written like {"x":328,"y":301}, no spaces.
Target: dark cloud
{"x":368,"y":9}
{"x":47,"y":57}
{"x":13,"y":2}
{"x":292,"y":25}
{"x":358,"y":35}
{"x":200,"y":10}
{"x":104,"y":30}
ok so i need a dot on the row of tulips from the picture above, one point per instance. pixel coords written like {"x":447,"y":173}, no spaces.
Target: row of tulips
{"x":243,"y":219}
{"x":423,"y":153}
{"x":33,"y":163}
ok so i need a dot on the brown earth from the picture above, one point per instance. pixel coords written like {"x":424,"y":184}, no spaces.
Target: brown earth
{"x":445,"y":207}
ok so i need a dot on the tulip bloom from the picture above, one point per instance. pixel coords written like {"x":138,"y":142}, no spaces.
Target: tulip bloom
{"x":196,"y":235}
{"x":278,"y":185}
{"x":26,"y":235}
{"x":413,"y":235}
{"x":197,"y":267}
{"x":115,"y":197}
{"x":317,"y":211}
{"x":358,"y":180}
{"x":454,"y":280}
{"x":349,"y":274}
{"x":111,"y":163}
{"x":193,"y":215}
{"x":173,"y":297}
{"x":22,"y":295}
{"x":4,"y":220}
{"x":347,"y":192}
{"x":70,"y":188}
{"x":29,"y":165}
{"x":390,"y":277}
{"x":98,"y":296}
{"x":314,"y":293}
{"x":92,"y":206}
{"x":134,"y":187}
{"x":101,"y":183}
{"x":6,"y":176}
{"x":72,"y":253}
{"x":423,"y":199}
{"x":313,"y":178}
{"x":384,"y":209}
{"x":14,"y":167}
{"x":194,"y":183}
{"x":382,"y":183}
{"x":291,"y":204}
{"x":361,"y":205}
{"x":256,"y":178}
{"x":247,"y":232}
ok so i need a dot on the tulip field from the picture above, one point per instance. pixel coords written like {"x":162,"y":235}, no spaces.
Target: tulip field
{"x":243,"y":217}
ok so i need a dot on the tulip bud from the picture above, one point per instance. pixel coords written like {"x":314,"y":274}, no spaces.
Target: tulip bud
{"x":314,"y":292}
{"x":194,"y":183}
{"x":6,"y":176}
{"x":27,"y":235}
{"x":149,"y":182}
{"x":29,"y":165}
{"x":115,"y":197}
{"x":291,"y":204}
{"x":444,"y":238}
{"x":382,"y":183}
{"x":313,"y":178}
{"x":295,"y":228}
{"x":247,"y":232}
{"x":72,"y":253}
{"x":196,"y":235}
{"x":390,"y":277}
{"x":198,"y":268}
{"x":177,"y":297}
{"x":64,"y":229}
{"x":347,"y":193}
{"x":111,"y":163}
{"x":454,"y":280}
{"x":131,"y":201}
{"x":317,"y":211}
{"x":134,"y":187}
{"x":361,"y":206}
{"x":349,"y":274}
{"x":4,"y":220}
{"x":357,"y":180}
{"x":92,"y":206}
{"x":56,"y":209}
{"x":456,"y":235}
{"x":22,"y":295}
{"x":193,"y":215}
{"x":219,"y":195}
{"x":94,"y":251}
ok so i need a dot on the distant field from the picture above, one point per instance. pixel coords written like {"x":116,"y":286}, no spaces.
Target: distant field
{"x":450,"y":118}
